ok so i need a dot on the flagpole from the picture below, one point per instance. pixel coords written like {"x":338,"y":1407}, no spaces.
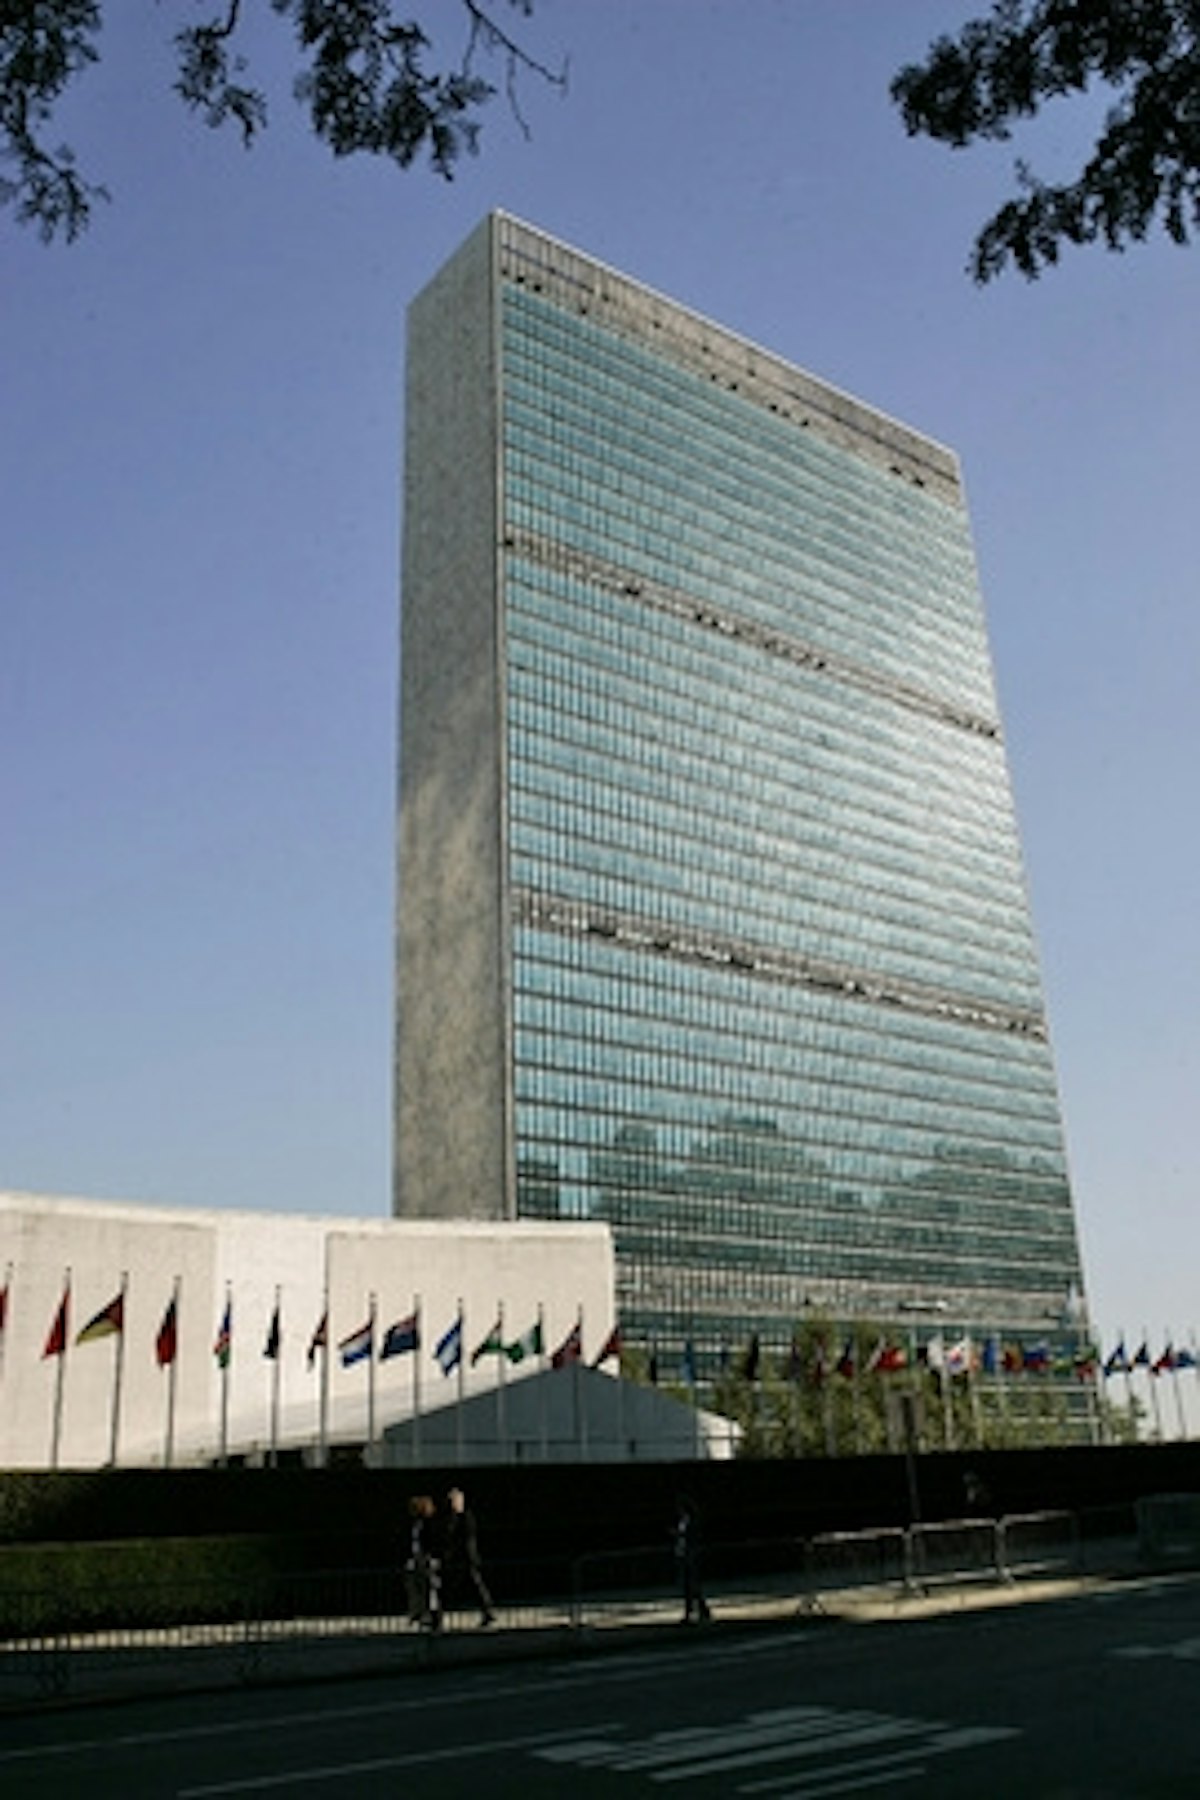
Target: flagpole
{"x":1174,"y":1372}
{"x":580,"y":1392}
{"x":973,"y":1392}
{"x":371,"y":1388}
{"x":620,"y":1409}
{"x":323,"y":1397}
{"x":461,"y":1373}
{"x":169,"y":1444}
{"x":501,"y":1419}
{"x":1128,"y":1373}
{"x":225,"y":1362}
{"x":541,"y":1331}
{"x":118,"y":1372}
{"x":56,"y":1427}
{"x":1152,"y":1378}
{"x":276,"y":1322}
{"x":416,"y":1381}
{"x":5,"y":1304}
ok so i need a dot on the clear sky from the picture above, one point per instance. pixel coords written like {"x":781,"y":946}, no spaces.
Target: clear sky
{"x":199,"y":481}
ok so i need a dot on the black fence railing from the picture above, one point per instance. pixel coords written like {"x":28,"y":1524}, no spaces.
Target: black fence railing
{"x":155,"y":1636}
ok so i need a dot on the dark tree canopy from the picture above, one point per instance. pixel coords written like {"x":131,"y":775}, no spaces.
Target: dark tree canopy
{"x":363,"y":79}
{"x":1145,"y":166}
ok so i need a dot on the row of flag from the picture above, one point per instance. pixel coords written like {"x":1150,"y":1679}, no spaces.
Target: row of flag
{"x":963,"y":1356}
{"x":401,"y":1338}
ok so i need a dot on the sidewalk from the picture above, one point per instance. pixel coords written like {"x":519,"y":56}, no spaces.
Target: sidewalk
{"x":87,"y":1670}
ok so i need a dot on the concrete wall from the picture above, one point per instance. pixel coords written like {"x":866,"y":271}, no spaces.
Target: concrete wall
{"x":250,"y":1256}
{"x":452,"y":1138}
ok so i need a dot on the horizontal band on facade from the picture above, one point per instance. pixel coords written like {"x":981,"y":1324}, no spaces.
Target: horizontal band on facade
{"x":578,"y":918}
{"x":598,"y":572}
{"x":582,"y":286}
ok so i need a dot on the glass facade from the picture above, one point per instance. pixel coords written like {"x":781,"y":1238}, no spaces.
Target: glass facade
{"x":773,"y":1003}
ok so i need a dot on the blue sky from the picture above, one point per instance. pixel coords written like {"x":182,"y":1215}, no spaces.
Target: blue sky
{"x":199,"y":481}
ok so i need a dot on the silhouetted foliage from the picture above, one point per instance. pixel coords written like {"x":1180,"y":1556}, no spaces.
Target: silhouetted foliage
{"x":363,"y":79}
{"x":1145,"y":165}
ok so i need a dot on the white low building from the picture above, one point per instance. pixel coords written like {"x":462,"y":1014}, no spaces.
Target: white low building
{"x":61,"y":1409}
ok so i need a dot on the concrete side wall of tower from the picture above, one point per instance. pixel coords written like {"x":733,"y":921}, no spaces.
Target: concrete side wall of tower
{"x":451,"y":1037}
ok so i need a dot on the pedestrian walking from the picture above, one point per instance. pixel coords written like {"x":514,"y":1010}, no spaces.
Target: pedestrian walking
{"x":687,"y":1560}
{"x":422,"y":1570}
{"x":463,"y":1565}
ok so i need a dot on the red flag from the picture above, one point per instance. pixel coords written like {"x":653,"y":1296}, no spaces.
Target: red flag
{"x":571,"y":1348}
{"x":56,"y":1343}
{"x":166,"y":1343}
{"x":3,"y":1306}
{"x":610,"y":1347}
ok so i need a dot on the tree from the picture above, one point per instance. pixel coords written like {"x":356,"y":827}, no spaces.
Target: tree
{"x":1144,"y":167}
{"x":363,"y":80}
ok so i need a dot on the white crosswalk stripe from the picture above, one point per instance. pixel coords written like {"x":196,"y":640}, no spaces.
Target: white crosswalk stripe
{"x":819,"y":1745}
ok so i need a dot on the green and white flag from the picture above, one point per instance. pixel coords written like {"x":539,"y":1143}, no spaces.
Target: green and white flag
{"x":492,"y":1345}
{"x":528,"y":1344}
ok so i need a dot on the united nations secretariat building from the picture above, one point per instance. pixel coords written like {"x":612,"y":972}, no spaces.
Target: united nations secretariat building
{"x":712,"y":922}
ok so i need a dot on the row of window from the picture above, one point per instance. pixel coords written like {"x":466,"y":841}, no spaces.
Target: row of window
{"x":609,"y":979}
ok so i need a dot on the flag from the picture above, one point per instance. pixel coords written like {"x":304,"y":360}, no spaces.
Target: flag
{"x":166,"y":1344}
{"x":571,"y":1348}
{"x":319,"y":1339}
{"x":56,"y":1342}
{"x":935,"y":1353}
{"x":752,"y":1358}
{"x":845,"y":1362}
{"x":1117,"y":1360}
{"x":3,"y":1307}
{"x":274,"y":1337}
{"x":358,"y":1346}
{"x":610,"y":1347}
{"x":528,"y":1344}
{"x":1185,"y":1358}
{"x":491,"y":1345}
{"x":1141,"y":1356}
{"x":1036,"y":1357}
{"x":401,"y":1338}
{"x":687,"y":1365}
{"x":886,"y":1359}
{"x":1162,"y":1365}
{"x":1087,"y":1361}
{"x":447,"y":1352}
{"x":223,"y":1343}
{"x":819,"y":1368}
{"x":106,"y":1323}
{"x":989,"y":1360}
{"x":960,"y":1357}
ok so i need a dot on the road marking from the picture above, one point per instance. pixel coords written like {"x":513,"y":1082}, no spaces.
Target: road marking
{"x":1182,"y":1650}
{"x":258,"y":1784}
{"x":615,"y":1668}
{"x":818,"y":1736}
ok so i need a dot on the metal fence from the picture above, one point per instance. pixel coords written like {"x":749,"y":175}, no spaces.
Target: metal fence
{"x":155,"y":1637}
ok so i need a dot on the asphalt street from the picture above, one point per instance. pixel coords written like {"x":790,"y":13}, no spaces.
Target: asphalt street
{"x":1092,"y":1698}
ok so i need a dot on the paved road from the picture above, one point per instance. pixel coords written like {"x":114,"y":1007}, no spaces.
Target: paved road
{"x":1089,"y":1699}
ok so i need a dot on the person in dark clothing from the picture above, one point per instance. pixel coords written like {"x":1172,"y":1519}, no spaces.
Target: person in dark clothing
{"x":687,"y":1560}
{"x":422,"y":1571}
{"x":463,"y":1566}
